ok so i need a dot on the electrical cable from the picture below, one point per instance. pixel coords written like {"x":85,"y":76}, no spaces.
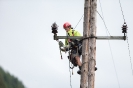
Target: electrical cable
{"x":70,"y":75}
{"x":79,"y":21}
{"x":109,"y":44}
{"x":103,"y":17}
{"x":130,"y":56}
{"x":69,"y":52}
{"x":112,"y":56}
{"x":104,"y":24}
{"x":114,"y":64}
{"x":127,"y":37}
{"x":69,"y":64}
{"x":122,"y":10}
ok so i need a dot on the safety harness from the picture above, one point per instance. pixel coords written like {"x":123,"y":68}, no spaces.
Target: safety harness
{"x":74,"y":46}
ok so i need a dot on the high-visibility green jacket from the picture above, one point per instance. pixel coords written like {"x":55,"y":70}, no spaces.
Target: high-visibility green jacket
{"x":72,"y":33}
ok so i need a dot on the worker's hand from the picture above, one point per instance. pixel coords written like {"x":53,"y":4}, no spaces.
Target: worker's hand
{"x":63,"y":49}
{"x":61,"y":44}
{"x":67,"y":46}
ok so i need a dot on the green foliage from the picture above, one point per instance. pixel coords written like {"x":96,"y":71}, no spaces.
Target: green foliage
{"x":9,"y":81}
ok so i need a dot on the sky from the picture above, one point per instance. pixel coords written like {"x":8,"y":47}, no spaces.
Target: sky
{"x":28,"y":51}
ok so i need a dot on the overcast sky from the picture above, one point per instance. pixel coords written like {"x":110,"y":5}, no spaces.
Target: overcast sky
{"x":28,"y":51}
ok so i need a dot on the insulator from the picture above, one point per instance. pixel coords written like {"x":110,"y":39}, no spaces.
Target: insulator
{"x":54,"y":28}
{"x":124,"y":28}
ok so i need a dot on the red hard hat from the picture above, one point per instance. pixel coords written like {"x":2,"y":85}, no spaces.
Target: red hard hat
{"x":66,"y":25}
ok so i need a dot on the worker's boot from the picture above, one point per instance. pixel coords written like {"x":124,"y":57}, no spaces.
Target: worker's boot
{"x":79,"y":71}
{"x":95,"y":68}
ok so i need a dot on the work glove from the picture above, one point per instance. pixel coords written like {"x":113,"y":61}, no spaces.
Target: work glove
{"x":65,"y":48}
{"x":61,"y":44}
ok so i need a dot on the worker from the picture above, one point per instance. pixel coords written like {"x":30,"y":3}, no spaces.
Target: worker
{"x":75,"y":45}
{"x":76,"y":48}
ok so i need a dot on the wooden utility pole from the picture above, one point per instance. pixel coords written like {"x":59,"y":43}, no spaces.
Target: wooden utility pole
{"x":89,"y":45}
{"x":92,"y":45}
{"x":85,"y":44}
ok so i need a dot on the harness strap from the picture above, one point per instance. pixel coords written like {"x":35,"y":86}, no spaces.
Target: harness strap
{"x":72,"y":35}
{"x":73,"y":32}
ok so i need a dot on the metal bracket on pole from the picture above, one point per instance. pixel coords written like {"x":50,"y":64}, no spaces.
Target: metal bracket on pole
{"x":97,"y":37}
{"x":111,"y":37}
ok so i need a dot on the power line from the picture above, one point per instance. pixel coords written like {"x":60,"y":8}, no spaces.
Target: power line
{"x":111,"y":53}
{"x":109,"y":43}
{"x":101,"y":8}
{"x":69,"y":52}
{"x":130,"y":56}
{"x":103,"y":17}
{"x":127,"y":37}
{"x":79,"y":21}
{"x":122,"y":10}
{"x":104,"y":24}
{"x":114,"y":63}
{"x":69,"y":66}
{"x":70,"y":75}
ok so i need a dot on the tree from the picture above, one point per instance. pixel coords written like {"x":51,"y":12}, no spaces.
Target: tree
{"x":9,"y":81}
